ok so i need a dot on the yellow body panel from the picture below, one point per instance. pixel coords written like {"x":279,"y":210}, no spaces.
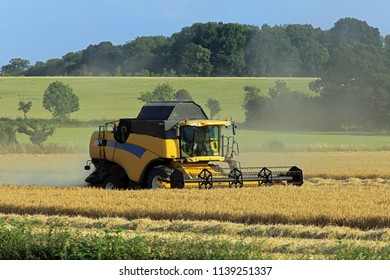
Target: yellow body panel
{"x":164,"y":148}
{"x":96,"y":151}
{"x":136,"y":154}
{"x":132,"y":164}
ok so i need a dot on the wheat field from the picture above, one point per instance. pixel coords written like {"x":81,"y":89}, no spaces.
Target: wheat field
{"x":342,"y":211}
{"x":351,"y":204}
{"x":340,"y":188}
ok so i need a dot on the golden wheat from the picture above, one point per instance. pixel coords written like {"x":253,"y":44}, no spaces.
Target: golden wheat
{"x":353,"y":203}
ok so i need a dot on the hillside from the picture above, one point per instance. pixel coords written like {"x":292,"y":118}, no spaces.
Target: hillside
{"x":114,"y":97}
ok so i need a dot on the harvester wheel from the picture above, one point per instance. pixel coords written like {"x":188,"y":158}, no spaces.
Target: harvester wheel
{"x":157,"y":172}
{"x":113,"y":183}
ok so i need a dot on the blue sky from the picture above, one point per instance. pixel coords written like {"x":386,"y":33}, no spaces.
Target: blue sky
{"x":44,"y":29}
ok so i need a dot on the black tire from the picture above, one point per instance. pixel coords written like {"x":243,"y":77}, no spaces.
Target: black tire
{"x":114,"y":183}
{"x":160,"y":171}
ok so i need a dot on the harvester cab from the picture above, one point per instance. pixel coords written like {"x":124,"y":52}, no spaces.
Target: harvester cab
{"x":174,"y":145}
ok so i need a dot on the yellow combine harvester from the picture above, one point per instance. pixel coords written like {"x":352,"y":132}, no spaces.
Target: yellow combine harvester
{"x":174,"y":145}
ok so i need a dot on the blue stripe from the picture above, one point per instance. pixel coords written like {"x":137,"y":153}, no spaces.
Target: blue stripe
{"x":131,"y":148}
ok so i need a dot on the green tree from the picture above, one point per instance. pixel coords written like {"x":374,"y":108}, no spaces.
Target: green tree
{"x":224,"y":41}
{"x":269,"y":52}
{"x":102,"y":59}
{"x":229,"y":57}
{"x":251,"y":92}
{"x":288,"y":108}
{"x":7,"y":133}
{"x":60,"y":100}
{"x":71,"y":63}
{"x":258,"y":53}
{"x":285,"y":57}
{"x":16,"y":67}
{"x":387,"y":51}
{"x":312,"y":53}
{"x":214,"y":107}
{"x":54,"y":67}
{"x":145,"y":53}
{"x":254,"y":106}
{"x":183,"y":95}
{"x":38,"y":131}
{"x":351,"y":31}
{"x":24,"y":106}
{"x":162,"y":92}
{"x":195,"y":61}
{"x":38,"y":69}
{"x":355,"y":87}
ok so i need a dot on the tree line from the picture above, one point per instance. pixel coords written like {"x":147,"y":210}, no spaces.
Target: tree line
{"x":351,"y":64}
{"x":217,"y":49}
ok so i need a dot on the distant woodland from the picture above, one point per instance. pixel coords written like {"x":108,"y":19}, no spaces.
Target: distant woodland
{"x":224,"y":49}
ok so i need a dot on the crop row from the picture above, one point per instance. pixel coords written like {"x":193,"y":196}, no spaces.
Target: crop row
{"x":364,"y":207}
{"x":60,"y":237}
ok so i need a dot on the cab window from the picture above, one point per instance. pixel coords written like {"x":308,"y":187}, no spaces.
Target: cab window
{"x":199,"y":141}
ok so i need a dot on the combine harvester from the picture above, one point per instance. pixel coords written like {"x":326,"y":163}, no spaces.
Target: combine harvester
{"x":174,"y":145}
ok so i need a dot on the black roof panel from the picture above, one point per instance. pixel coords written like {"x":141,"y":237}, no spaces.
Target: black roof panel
{"x":171,"y":110}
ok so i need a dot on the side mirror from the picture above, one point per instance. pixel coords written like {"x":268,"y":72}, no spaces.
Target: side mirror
{"x":234,"y":127}
{"x":87,"y":166}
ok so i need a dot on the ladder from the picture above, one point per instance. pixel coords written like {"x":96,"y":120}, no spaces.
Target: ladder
{"x":102,"y":142}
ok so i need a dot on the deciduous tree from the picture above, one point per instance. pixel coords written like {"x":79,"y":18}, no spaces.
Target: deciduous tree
{"x":24,"y":106}
{"x":16,"y":67}
{"x":214,"y":107}
{"x":162,"y":92}
{"x":60,"y":100}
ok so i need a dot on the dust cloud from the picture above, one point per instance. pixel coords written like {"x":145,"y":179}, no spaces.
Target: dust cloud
{"x":59,"y":170}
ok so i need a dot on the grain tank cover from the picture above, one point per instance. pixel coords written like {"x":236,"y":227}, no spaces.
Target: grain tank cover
{"x":172,"y":110}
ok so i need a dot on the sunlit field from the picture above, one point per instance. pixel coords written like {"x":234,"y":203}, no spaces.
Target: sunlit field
{"x":115,"y":97}
{"x":354,"y":204}
{"x":328,"y":221}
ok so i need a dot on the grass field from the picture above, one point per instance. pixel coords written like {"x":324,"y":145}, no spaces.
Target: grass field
{"x":76,"y":139}
{"x":62,"y":237}
{"x":115,"y":97}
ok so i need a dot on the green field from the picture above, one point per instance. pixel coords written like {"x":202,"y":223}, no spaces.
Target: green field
{"x":115,"y":97}
{"x":255,"y":141}
{"x":77,"y":139}
{"x":110,"y":98}
{"x":282,"y":141}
